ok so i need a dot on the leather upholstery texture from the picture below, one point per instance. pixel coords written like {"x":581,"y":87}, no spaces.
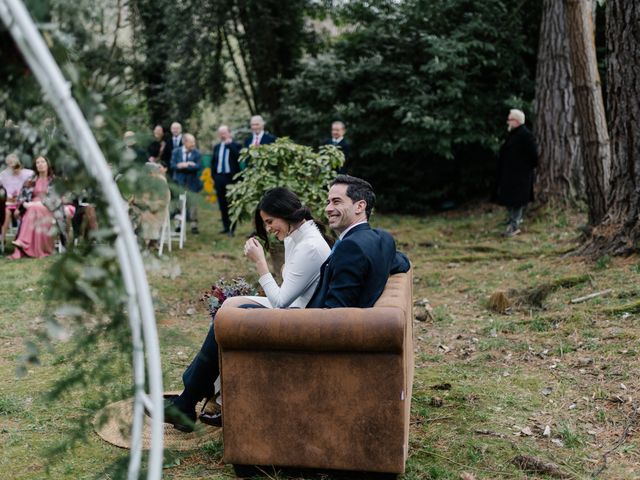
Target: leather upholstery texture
{"x":319,"y":388}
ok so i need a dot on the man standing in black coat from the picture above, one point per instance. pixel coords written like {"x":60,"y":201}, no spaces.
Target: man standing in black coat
{"x":517,"y":160}
{"x":224,"y":165}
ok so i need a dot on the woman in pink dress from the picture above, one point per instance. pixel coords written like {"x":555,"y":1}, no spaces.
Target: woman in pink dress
{"x":37,"y":224}
{"x":12,"y":179}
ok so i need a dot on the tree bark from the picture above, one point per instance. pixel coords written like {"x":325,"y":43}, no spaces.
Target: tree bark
{"x":241,"y":80}
{"x":559,"y":178}
{"x":619,"y":233}
{"x":589,"y":106}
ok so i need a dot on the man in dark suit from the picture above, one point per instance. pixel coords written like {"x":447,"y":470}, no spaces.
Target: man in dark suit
{"x":224,"y":165}
{"x":173,"y":143}
{"x":337,"y":138}
{"x":185,"y":164}
{"x":362,"y":258}
{"x":258,"y":135}
{"x":354,"y":275}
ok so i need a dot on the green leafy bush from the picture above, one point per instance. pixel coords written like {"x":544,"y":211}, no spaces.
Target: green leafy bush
{"x":284,"y":164}
{"x":424,"y":88}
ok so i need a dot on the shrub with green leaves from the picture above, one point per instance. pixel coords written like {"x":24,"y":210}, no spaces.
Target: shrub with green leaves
{"x":284,"y":164}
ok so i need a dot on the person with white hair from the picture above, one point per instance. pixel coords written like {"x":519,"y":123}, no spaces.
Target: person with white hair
{"x":173,"y":143}
{"x":258,"y":134}
{"x":185,"y":164}
{"x":517,"y":160}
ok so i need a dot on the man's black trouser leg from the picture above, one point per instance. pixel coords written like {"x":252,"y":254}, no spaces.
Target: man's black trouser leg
{"x":199,"y":377}
{"x":220,"y":182}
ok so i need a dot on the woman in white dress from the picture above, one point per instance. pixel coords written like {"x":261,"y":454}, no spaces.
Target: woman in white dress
{"x":305,"y":249}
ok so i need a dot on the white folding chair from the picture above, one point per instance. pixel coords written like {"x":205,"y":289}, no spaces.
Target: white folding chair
{"x":165,"y":233}
{"x":58,"y":246}
{"x":168,"y":234}
{"x":182,"y":231}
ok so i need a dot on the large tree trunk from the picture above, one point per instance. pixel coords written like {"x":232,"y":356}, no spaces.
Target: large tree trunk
{"x":560,"y":179}
{"x":590,"y":107}
{"x":619,"y":233}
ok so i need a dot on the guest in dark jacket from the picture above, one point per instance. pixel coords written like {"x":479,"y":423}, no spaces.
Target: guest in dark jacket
{"x":258,"y":135}
{"x":224,"y":165}
{"x":159,"y":150}
{"x":174,"y":142}
{"x":517,"y":160}
{"x":185,"y":164}
{"x":337,"y":138}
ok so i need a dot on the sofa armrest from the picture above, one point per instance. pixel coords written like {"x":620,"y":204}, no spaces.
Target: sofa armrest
{"x":378,"y":329}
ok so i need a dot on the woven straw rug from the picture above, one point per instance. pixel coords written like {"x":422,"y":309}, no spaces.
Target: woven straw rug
{"x":113,"y":424}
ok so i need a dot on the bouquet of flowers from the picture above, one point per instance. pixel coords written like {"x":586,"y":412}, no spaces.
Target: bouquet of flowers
{"x":224,"y":289}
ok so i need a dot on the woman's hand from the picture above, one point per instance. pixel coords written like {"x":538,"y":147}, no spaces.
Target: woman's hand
{"x":254,"y":251}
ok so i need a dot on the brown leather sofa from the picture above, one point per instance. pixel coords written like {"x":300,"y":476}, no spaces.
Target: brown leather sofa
{"x":319,"y":388}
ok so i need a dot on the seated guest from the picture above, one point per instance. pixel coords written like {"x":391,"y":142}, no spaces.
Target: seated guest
{"x":12,"y":179}
{"x":149,"y":204}
{"x":185,"y":164}
{"x":132,"y":149}
{"x":337,"y":138}
{"x":354,"y":275}
{"x":40,"y":211}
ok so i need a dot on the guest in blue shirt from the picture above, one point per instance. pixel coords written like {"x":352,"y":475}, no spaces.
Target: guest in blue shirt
{"x":224,"y":165}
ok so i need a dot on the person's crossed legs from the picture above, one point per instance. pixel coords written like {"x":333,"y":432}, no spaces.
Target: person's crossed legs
{"x":199,"y":378}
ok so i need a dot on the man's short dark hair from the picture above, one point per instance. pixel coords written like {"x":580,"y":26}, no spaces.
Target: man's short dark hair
{"x":358,"y":189}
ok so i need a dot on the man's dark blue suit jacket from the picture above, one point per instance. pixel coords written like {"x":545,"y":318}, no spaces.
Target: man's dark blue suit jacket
{"x":187,"y":177}
{"x":357,"y":271}
{"x":266,"y":139}
{"x":234,"y":155}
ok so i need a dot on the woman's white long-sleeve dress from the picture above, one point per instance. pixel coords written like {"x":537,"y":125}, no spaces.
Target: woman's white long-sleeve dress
{"x":305,"y":250}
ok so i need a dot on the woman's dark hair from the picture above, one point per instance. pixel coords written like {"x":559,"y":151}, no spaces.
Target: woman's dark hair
{"x":50,"y":172}
{"x":282,"y":203}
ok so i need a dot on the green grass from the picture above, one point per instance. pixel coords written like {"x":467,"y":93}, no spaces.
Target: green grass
{"x":497,"y":365}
